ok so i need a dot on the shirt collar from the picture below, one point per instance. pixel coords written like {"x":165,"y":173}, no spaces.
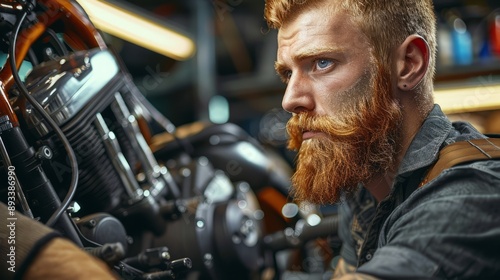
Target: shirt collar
{"x":425,"y":147}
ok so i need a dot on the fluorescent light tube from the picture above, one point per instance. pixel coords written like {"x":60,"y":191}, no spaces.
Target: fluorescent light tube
{"x":124,"y":23}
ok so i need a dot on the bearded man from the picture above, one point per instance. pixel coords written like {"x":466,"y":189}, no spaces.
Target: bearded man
{"x":359,"y":77}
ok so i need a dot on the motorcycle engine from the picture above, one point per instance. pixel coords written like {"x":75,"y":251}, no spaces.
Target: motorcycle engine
{"x":189,"y":207}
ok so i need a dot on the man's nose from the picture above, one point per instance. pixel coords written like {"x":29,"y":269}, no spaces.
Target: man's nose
{"x":298,"y":95}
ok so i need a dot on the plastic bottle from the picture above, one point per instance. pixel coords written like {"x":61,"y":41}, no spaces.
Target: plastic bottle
{"x":462,"y":42}
{"x":494,"y":34}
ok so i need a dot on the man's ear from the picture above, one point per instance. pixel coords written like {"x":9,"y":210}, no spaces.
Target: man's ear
{"x":412,"y":62}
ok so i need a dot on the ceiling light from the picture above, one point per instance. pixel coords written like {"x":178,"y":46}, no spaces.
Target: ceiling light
{"x":136,"y":27}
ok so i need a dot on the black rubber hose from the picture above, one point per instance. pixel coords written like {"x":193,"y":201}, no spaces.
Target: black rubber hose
{"x":67,"y":146}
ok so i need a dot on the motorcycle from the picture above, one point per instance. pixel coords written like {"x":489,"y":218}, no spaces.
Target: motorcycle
{"x":201,"y":201}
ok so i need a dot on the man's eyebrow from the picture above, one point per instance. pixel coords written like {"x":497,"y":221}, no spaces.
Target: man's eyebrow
{"x":279,"y":67}
{"x":307,"y":53}
{"x":312,"y":52}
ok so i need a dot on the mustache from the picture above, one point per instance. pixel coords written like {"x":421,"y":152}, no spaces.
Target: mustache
{"x":335,"y":129}
{"x":308,"y":122}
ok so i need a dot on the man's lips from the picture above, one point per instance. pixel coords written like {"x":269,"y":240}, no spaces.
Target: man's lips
{"x":311,"y":134}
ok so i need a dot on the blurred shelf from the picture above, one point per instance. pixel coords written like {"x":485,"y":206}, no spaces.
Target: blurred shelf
{"x":483,"y":67}
{"x":479,"y":94}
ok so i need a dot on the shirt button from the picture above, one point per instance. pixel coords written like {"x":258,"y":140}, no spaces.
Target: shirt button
{"x":368,"y":256}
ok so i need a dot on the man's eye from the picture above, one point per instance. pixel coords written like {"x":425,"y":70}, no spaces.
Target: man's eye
{"x":286,"y":75}
{"x":323,"y":63}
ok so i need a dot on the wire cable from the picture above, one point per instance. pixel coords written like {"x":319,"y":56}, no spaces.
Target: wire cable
{"x":67,"y":146}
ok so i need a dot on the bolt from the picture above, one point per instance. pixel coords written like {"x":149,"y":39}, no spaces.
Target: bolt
{"x":200,"y":224}
{"x":91,"y":223}
{"x":165,"y":255}
{"x":208,"y":259}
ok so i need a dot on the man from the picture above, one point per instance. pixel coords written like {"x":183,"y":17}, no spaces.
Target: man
{"x":359,"y":77}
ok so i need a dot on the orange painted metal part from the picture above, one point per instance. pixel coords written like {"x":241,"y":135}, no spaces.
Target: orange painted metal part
{"x":271,"y":202}
{"x":79,"y":33}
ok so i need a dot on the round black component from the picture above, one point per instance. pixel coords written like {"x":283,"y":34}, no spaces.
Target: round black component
{"x":103,"y":228}
{"x":222,"y":239}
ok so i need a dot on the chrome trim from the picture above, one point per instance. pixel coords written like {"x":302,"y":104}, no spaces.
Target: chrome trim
{"x":65,"y":86}
{"x":155,"y":175}
{"x":120,"y":163}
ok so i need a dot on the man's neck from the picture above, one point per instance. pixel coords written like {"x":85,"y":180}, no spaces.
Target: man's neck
{"x":380,"y":186}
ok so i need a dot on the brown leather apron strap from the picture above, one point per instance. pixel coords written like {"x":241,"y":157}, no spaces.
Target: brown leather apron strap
{"x":464,"y":152}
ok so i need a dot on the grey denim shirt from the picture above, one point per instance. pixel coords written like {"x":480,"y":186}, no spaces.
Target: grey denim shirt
{"x":446,"y":229}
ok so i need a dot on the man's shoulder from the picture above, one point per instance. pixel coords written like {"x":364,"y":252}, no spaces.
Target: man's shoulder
{"x":466,"y":197}
{"x":457,"y":214}
{"x":469,"y":181}
{"x":467,"y":178}
{"x":473,"y":186}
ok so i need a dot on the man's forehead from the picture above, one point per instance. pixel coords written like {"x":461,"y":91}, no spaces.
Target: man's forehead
{"x":306,"y":37}
{"x":318,"y":22}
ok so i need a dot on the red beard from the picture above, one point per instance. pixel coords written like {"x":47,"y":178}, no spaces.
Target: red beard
{"x":360,"y":143}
